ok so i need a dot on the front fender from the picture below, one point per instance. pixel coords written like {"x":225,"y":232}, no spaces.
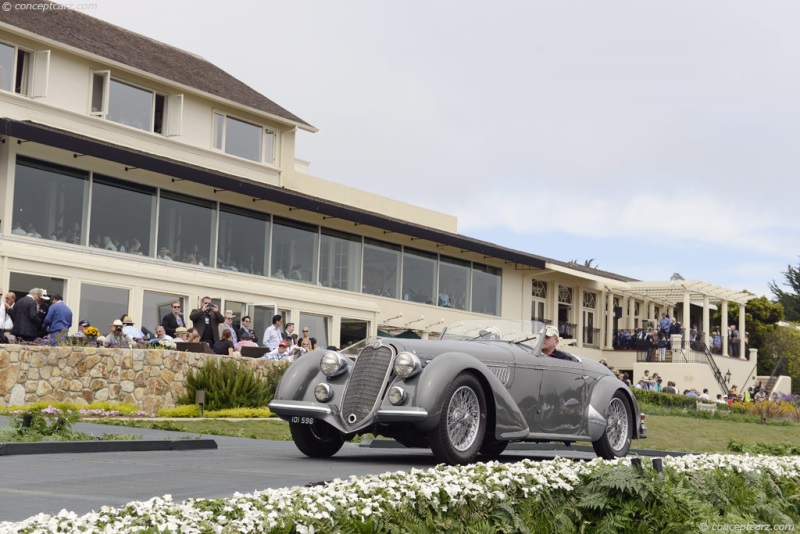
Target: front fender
{"x":509,"y":421}
{"x":598,"y":406}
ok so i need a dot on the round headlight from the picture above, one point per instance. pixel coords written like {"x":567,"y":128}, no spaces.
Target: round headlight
{"x":323,"y":392}
{"x":331,"y":364}
{"x":406,"y":364}
{"x":397,"y":395}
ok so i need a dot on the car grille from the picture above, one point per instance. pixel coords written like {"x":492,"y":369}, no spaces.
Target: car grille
{"x":366,"y":384}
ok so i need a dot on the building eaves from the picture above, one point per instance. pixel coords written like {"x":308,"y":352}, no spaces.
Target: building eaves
{"x":80,"y":144}
{"x":117,"y":44}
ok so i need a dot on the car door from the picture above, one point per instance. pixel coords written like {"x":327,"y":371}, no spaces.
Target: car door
{"x":562,"y":396}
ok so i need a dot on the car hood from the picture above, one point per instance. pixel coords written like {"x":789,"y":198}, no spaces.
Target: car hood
{"x":482,"y":350}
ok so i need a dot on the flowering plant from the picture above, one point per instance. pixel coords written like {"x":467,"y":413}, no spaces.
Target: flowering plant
{"x":529,"y":496}
{"x":91,"y":332}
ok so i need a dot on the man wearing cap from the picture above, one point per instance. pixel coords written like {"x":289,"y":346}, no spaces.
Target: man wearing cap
{"x":44,"y":307}
{"x":228,"y":324}
{"x":83,"y":325}
{"x":281,"y":353}
{"x":549,"y":345}
{"x":174,"y":319}
{"x":118,"y":338}
{"x":58,"y":320}
{"x":27,"y":324}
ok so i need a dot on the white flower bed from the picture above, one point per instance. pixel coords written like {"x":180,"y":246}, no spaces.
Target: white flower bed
{"x":362,"y":497}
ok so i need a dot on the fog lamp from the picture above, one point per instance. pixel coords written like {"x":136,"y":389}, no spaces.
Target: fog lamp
{"x":323,"y":392}
{"x":397,"y":395}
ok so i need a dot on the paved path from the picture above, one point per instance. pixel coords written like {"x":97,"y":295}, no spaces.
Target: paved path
{"x":84,"y":482}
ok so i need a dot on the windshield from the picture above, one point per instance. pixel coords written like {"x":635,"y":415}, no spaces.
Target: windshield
{"x":528,"y":332}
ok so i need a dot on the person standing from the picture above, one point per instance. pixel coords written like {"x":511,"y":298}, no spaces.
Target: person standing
{"x":27,"y":325}
{"x":58,"y":320}
{"x":272,"y":335}
{"x":173,"y":320}
{"x":206,"y":320}
{"x":6,"y":323}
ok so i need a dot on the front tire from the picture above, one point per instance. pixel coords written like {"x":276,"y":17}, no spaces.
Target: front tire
{"x":492,"y":448}
{"x":318,"y":440}
{"x":459,"y":435}
{"x":616,"y":439}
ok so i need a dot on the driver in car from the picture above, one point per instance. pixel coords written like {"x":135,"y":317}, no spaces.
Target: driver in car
{"x":551,"y":339}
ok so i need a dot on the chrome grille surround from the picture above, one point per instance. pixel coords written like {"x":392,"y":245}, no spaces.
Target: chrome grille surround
{"x":369,"y":377}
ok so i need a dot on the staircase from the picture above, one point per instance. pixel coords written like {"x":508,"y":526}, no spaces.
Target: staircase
{"x":773,"y":378}
{"x":723,"y":386}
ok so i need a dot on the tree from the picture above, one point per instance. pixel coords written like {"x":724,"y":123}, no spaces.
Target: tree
{"x":789,"y":300}
{"x":784,"y":341}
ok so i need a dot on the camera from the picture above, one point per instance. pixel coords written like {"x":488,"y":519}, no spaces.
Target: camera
{"x":118,"y":329}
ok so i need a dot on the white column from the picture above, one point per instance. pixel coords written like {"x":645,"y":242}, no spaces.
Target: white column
{"x":706,"y":323}
{"x":579,"y":318}
{"x":632,"y":314}
{"x":685,"y":322}
{"x":724,"y":327}
{"x":610,"y":321}
{"x":651,"y":311}
{"x":741,"y":331}
{"x":671,"y":312}
{"x":554,"y":303}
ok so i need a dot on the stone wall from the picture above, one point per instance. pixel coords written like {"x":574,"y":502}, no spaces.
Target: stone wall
{"x":149,"y":379}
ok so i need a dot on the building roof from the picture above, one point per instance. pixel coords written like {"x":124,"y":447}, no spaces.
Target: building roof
{"x":674,"y":291}
{"x":108,"y":41}
{"x":136,"y":159}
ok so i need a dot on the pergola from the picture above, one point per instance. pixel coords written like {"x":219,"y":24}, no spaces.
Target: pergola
{"x":690,"y":292}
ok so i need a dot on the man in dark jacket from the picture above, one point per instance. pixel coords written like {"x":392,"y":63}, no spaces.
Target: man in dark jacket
{"x":173,"y":320}
{"x":27,"y":325}
{"x":206,"y":321}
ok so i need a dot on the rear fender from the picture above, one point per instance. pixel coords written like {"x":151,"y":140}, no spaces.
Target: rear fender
{"x":509,"y":421}
{"x":598,"y":406}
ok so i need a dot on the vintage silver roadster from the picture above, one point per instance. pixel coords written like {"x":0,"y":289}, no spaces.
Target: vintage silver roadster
{"x":481,"y":385}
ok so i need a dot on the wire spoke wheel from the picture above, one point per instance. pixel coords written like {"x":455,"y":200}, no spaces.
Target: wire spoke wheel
{"x":617,"y":427}
{"x":462,"y":423}
{"x":463,"y":418}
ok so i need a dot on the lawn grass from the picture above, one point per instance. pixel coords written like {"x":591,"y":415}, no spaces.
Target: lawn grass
{"x":682,"y":433}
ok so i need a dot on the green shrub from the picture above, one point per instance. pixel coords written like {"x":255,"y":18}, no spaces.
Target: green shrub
{"x":228,"y":384}
{"x":771,"y":449}
{"x":185,"y":410}
{"x":654,"y":398}
{"x":241,"y":413}
{"x":120,"y":407}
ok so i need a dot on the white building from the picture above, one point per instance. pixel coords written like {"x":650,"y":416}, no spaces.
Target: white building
{"x":134,"y":174}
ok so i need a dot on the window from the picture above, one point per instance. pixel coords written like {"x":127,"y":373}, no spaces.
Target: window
{"x":136,"y":107}
{"x":243,"y":139}
{"x":100,"y":305}
{"x":294,"y":250}
{"x":156,"y":305}
{"x":242,"y":240}
{"x":419,"y":276}
{"x":381,"y":269}
{"x":454,"y":283}
{"x":49,"y":201}
{"x":123,"y":216}
{"x":486,"y":289}
{"x":185,"y":229}
{"x":340,"y":260}
{"x":24,"y":72}
{"x":21,"y":283}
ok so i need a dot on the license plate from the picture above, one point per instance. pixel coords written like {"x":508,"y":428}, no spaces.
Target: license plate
{"x":302,"y":420}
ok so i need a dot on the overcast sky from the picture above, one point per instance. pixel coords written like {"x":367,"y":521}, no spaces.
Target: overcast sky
{"x":653,"y":137}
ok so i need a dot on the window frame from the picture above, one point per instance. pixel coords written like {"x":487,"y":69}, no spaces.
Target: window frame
{"x":267,"y":150}
{"x":36,"y":71}
{"x":172,"y":117}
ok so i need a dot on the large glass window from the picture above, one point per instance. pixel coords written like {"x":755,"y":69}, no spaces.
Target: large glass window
{"x":123,"y":216}
{"x":486,"y":289}
{"x":454,"y":283}
{"x":6,"y":67}
{"x":49,"y":201}
{"x":185,"y":229}
{"x":130,"y":105}
{"x":419,"y":276}
{"x":242,"y":240}
{"x":100,"y":305}
{"x":294,"y":250}
{"x":340,"y":260}
{"x":156,"y":306}
{"x":381,"y":269}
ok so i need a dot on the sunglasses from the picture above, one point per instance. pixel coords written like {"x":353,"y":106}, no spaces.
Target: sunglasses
{"x":177,"y":307}
{"x":305,"y":331}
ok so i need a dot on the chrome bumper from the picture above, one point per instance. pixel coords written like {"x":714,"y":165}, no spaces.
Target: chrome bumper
{"x":312,"y":409}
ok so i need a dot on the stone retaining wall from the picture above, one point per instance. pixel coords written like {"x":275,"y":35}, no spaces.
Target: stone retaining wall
{"x":149,"y":379}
